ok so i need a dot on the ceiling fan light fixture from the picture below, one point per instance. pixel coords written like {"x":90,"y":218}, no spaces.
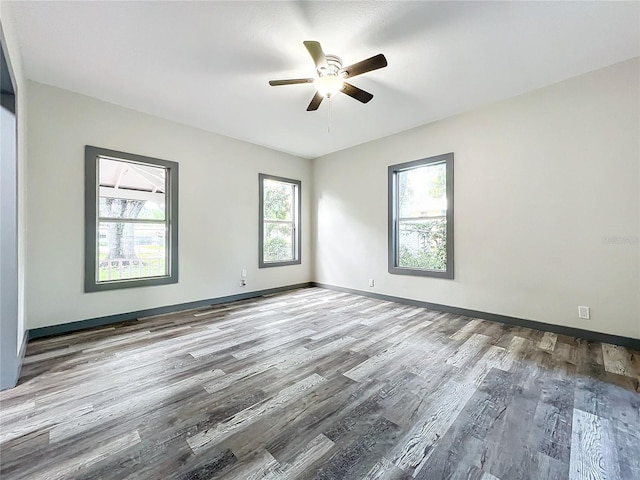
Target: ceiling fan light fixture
{"x":331,"y":76}
{"x":328,"y":85}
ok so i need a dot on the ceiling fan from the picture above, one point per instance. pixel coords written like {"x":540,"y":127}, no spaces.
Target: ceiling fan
{"x":331,"y":75}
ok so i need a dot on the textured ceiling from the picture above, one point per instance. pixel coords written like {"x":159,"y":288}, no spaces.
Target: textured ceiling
{"x":208,"y":64}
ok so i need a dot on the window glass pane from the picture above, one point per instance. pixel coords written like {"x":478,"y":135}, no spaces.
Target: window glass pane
{"x":278,"y":200}
{"x":422,"y":191}
{"x":278,"y":242}
{"x":422,"y":243}
{"x":131,"y":190}
{"x":131,"y":250}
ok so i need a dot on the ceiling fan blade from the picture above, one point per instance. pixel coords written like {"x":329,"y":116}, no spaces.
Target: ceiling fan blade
{"x":291,"y":81}
{"x":315,"y":50}
{"x":315,"y":102}
{"x":373,"y":63}
{"x":355,"y":92}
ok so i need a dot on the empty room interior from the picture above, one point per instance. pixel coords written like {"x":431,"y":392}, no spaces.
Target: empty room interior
{"x":320,"y":240}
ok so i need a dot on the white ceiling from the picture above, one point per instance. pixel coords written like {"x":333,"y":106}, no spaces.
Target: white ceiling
{"x":208,"y":64}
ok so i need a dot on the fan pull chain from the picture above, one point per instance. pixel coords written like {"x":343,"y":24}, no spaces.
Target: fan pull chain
{"x":329,"y":115}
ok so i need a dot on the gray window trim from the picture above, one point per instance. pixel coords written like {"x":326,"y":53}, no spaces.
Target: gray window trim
{"x":393,"y":217}
{"x":297,"y":222}
{"x":91,"y":216}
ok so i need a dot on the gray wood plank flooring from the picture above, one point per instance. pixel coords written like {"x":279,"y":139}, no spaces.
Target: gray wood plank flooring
{"x":318,"y":384}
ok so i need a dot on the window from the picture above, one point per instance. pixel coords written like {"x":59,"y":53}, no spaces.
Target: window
{"x":279,"y":221}
{"x":131,"y":210}
{"x":421,"y":217}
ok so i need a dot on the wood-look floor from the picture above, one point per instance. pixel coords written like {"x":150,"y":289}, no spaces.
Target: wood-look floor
{"x":314,"y":383}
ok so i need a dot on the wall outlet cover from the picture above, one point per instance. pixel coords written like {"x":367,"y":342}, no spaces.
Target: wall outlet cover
{"x":583,"y":312}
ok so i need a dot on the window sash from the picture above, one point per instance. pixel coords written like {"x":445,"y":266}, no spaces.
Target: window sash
{"x":131,"y":220}
{"x":129,"y":263}
{"x":400,"y":220}
{"x":292,"y":206}
{"x":159,"y":264}
{"x":292,"y":252}
{"x":424,"y":217}
{"x":282,"y":222}
{"x":399,"y":244}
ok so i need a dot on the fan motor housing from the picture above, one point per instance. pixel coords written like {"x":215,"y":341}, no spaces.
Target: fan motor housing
{"x":334,"y":63}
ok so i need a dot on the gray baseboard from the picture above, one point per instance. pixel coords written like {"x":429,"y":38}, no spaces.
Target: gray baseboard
{"x":589,"y":335}
{"x":632,"y":343}
{"x":123,"y":317}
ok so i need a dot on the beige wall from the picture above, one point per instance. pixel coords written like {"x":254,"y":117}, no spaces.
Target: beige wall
{"x":218,"y":207}
{"x":547,"y":199}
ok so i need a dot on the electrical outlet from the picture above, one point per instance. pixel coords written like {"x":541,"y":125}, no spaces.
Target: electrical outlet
{"x":243,"y":273}
{"x":243,"y":283}
{"x":371,"y":282}
{"x":583,"y":312}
